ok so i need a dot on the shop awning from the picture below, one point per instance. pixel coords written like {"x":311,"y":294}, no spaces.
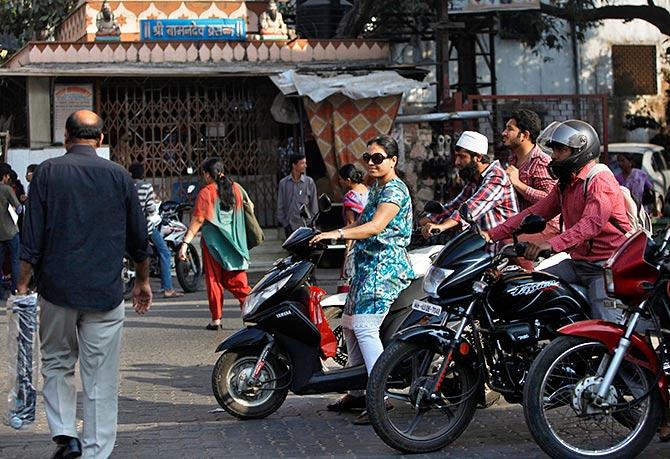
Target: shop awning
{"x":374,"y":84}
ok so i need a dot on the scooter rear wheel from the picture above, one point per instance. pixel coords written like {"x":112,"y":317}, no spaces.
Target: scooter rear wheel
{"x":242,"y":400}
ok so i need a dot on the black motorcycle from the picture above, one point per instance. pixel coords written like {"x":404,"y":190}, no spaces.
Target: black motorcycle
{"x":280,"y":348}
{"x":494,"y":319}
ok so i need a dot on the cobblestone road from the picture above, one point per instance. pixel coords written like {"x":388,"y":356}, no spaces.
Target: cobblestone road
{"x":166,"y":404}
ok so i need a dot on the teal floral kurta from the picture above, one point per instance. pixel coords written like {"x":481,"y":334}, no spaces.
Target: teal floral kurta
{"x":383,"y":269}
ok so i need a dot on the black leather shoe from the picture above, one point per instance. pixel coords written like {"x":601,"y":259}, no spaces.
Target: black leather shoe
{"x":68,"y":447}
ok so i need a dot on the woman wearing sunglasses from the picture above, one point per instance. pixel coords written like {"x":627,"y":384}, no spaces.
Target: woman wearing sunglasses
{"x":383,"y":270}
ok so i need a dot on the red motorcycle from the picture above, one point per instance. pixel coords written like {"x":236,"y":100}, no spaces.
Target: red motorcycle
{"x":600,"y":389}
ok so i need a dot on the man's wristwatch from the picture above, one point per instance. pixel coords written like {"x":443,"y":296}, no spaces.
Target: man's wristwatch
{"x":341,"y":233}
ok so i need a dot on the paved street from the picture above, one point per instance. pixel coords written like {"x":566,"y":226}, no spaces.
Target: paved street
{"x":167,"y":409}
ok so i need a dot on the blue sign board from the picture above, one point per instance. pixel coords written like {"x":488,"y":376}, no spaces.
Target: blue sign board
{"x":193,"y":29}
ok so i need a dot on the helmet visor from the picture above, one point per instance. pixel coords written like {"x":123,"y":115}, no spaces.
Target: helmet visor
{"x":561,"y":134}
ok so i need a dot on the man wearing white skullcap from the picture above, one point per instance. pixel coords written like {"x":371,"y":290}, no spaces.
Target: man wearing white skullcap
{"x":488,"y":192}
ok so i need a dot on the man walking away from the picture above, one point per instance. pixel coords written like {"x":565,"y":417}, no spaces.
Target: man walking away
{"x":295,"y":190}
{"x":83,"y":214}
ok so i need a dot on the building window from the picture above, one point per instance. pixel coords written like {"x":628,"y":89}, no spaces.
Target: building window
{"x":634,"y":70}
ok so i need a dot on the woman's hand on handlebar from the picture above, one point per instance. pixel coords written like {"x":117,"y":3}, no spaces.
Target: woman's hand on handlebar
{"x":327,"y":235}
{"x":535,"y":250}
{"x":431,"y":229}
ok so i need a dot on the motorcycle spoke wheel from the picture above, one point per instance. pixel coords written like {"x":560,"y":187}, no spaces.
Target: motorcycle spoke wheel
{"x":189,"y":271}
{"x":559,"y":406}
{"x":417,"y":424}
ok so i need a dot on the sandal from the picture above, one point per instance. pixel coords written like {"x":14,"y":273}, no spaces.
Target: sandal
{"x":172,"y":294}
{"x":363,"y":419}
{"x":347,"y":403}
{"x":664,"y":432}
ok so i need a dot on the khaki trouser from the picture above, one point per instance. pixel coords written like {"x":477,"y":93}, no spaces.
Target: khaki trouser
{"x":93,"y":338}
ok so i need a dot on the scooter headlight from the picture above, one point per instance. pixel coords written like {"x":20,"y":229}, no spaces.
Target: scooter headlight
{"x":434,"y":277}
{"x":256,"y":298}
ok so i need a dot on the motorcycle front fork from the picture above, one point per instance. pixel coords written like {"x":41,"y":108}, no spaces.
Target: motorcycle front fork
{"x":455,"y":342}
{"x":611,"y":365}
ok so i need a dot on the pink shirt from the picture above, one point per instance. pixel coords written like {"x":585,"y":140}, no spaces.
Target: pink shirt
{"x":588,"y":230}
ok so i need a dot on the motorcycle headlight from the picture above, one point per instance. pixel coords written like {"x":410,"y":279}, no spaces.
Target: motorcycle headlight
{"x":255,"y":299}
{"x":434,"y":278}
{"x":609,"y":281}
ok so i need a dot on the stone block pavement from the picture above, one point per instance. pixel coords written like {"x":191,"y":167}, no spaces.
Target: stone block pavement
{"x":167,"y":410}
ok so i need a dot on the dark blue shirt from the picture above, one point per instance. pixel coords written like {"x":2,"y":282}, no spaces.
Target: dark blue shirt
{"x":83,"y":214}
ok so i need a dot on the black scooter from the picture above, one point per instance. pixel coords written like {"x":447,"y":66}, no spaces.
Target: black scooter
{"x":280,"y":348}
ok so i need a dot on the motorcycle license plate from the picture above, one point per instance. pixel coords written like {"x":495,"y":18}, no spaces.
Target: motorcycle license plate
{"x":428,"y":308}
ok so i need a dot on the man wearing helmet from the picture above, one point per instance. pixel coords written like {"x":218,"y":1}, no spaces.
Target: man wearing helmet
{"x":488,"y":192}
{"x":594,"y":221}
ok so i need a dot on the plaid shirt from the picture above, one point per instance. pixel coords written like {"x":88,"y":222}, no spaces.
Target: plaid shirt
{"x":535,"y":174}
{"x":490,"y":201}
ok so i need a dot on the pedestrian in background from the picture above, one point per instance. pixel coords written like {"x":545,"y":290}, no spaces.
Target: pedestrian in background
{"x":295,"y":190}
{"x":353,"y":202}
{"x":383,"y":269}
{"x":9,"y":230}
{"x":30,"y":170}
{"x":149,"y":204}
{"x":637,"y":181}
{"x":219,"y":213}
{"x":83,"y":216}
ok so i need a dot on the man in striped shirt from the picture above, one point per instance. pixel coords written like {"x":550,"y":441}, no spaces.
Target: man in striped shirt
{"x":488,"y":193}
{"x":145,"y":192}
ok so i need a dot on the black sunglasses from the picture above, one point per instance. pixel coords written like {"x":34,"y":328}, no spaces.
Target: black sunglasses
{"x":376,"y":158}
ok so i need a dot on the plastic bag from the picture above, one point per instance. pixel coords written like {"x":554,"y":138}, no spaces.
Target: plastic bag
{"x":328,"y":340}
{"x":23,"y":359}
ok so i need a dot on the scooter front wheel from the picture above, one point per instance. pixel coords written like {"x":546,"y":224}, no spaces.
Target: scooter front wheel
{"x":242,"y":397}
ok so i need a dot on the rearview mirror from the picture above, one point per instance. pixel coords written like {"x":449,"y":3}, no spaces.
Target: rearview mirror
{"x":324,"y":203}
{"x":532,"y":224}
{"x":304,"y":213}
{"x":433,"y":207}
